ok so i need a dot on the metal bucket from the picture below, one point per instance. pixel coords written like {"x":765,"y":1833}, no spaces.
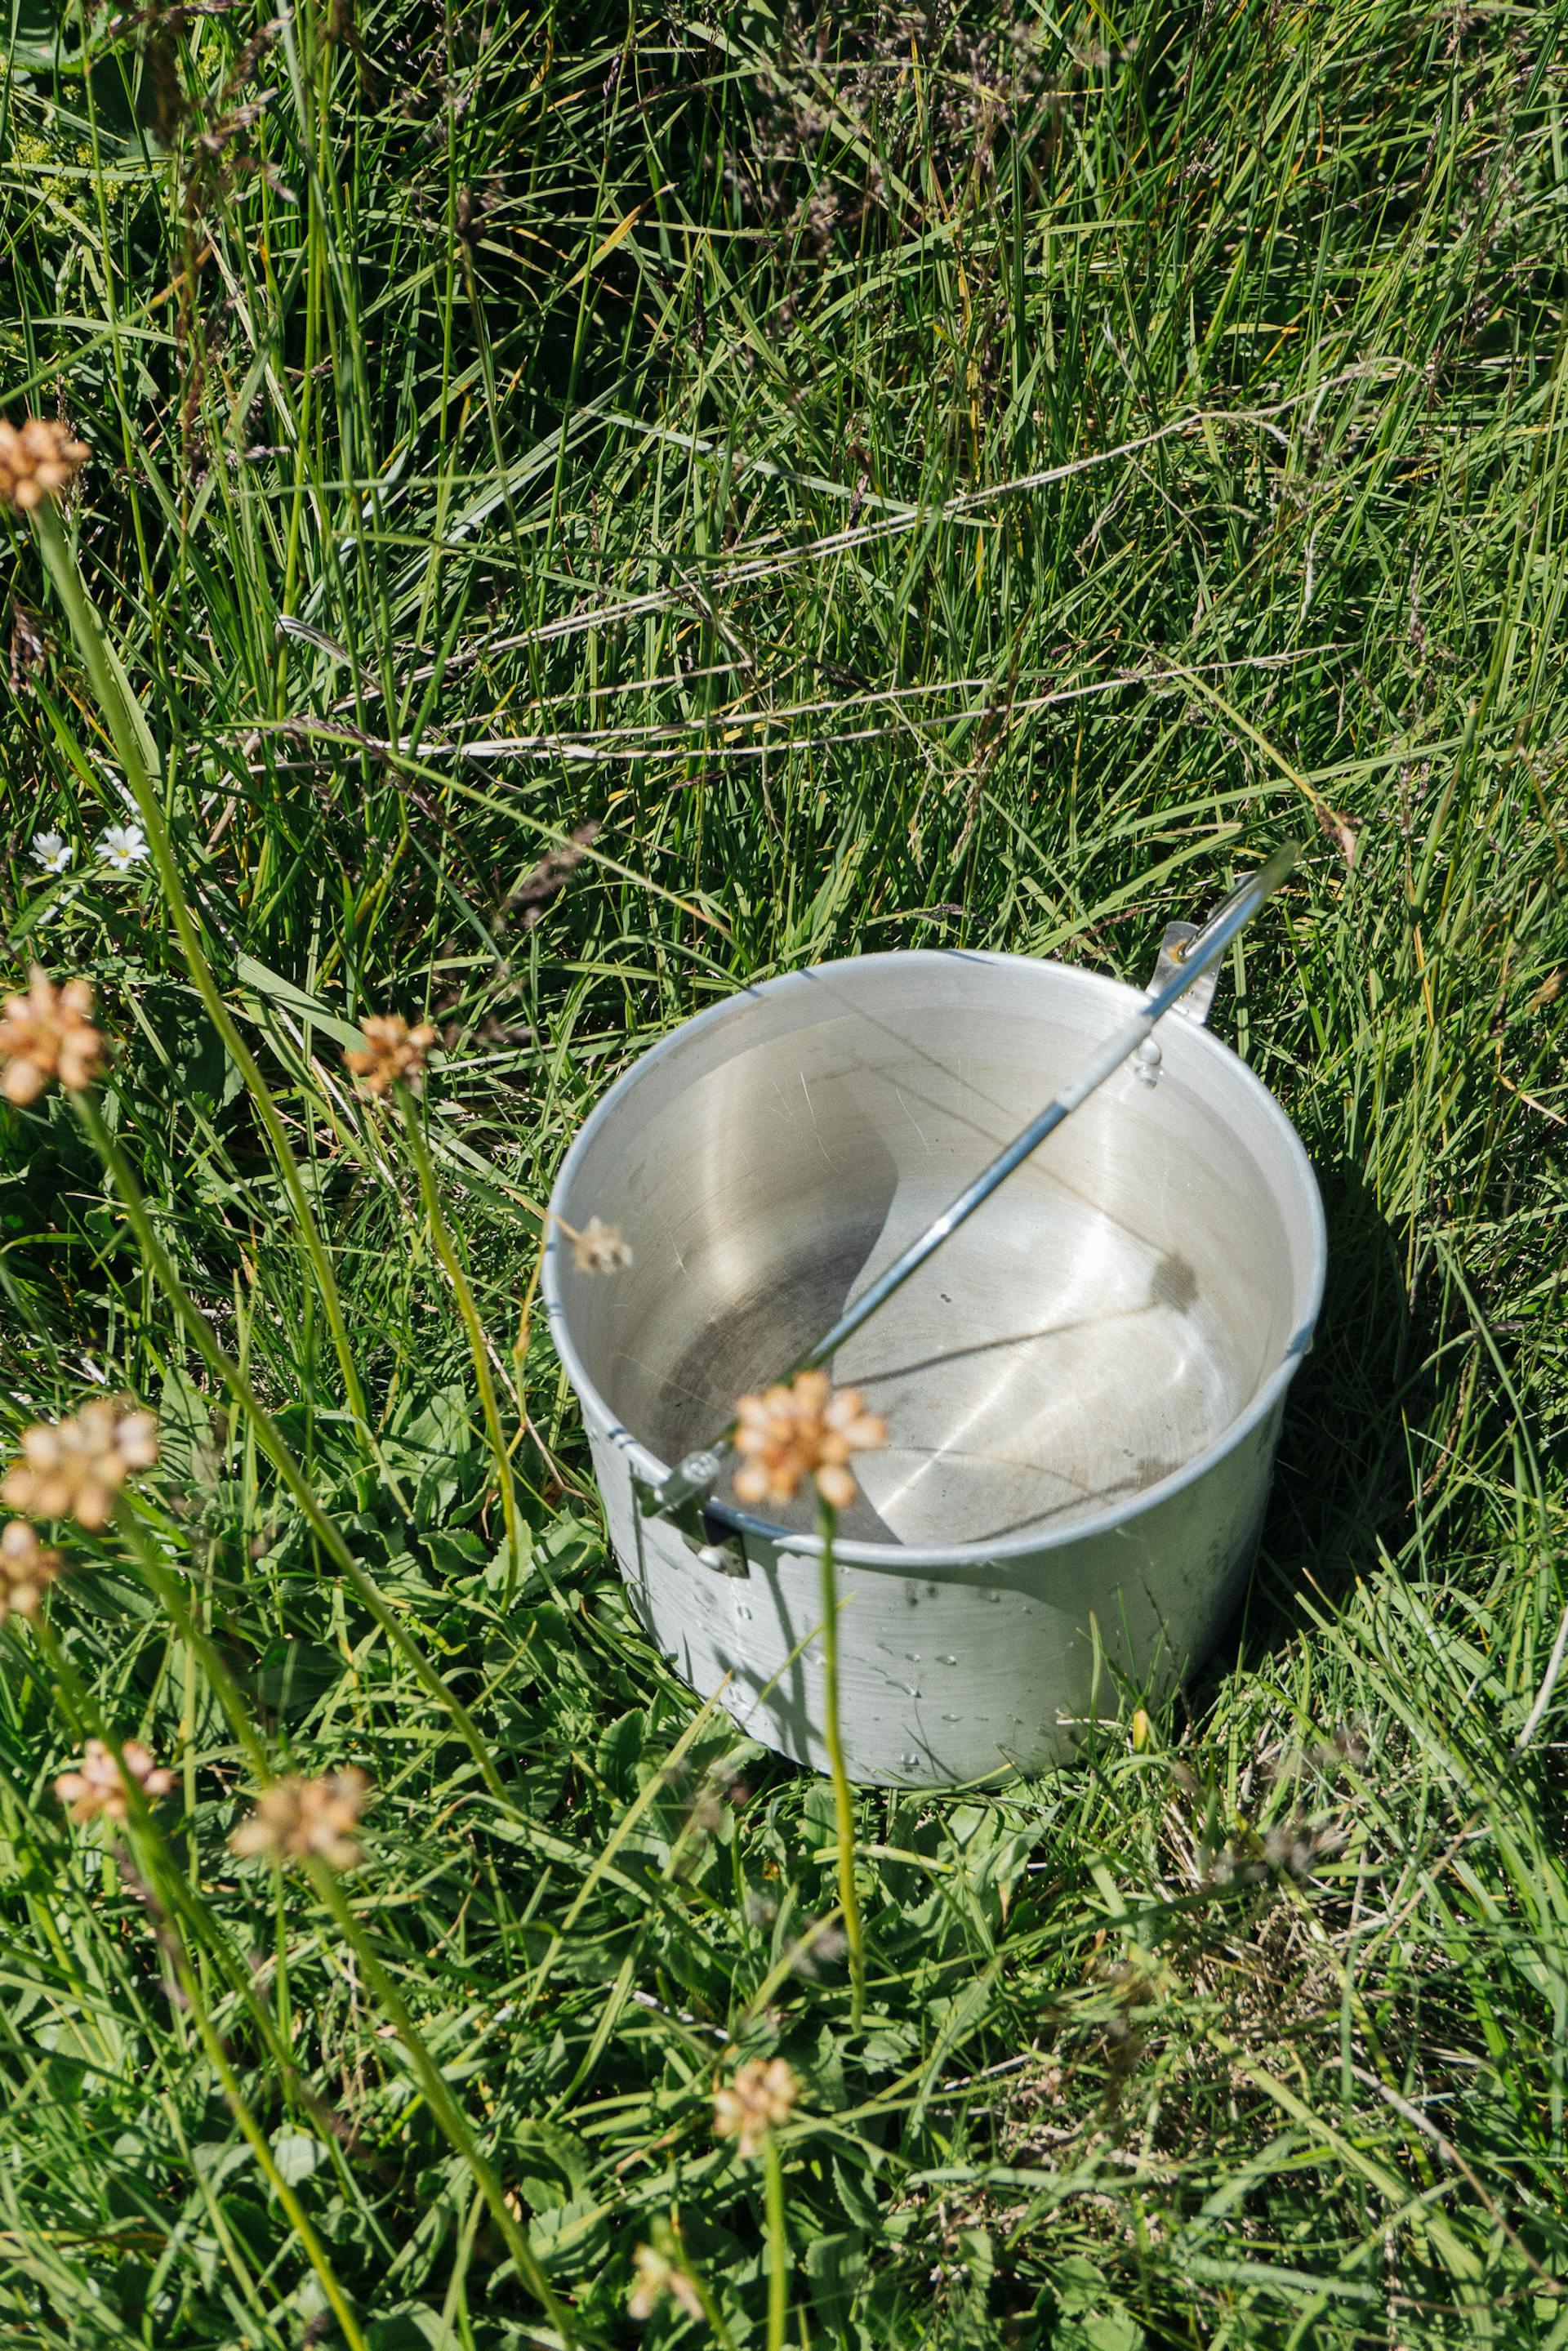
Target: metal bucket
{"x":1083,"y":1387}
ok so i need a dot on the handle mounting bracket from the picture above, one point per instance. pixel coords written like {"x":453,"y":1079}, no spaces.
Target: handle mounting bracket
{"x":1194,"y":1006}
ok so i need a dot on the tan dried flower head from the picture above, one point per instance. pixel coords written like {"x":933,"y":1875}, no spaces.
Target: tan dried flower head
{"x":600,"y":1248}
{"x":804,"y":1431}
{"x":38,"y":462}
{"x":96,"y":1787}
{"x":46,"y":1034}
{"x":657,"y":2281}
{"x":295,"y":1818}
{"x":76,"y":1468}
{"x":753,"y":2101}
{"x":25,"y":1568}
{"x":391,"y":1050}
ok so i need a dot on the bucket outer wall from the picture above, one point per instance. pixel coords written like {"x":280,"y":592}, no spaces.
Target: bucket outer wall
{"x":953,"y":1674}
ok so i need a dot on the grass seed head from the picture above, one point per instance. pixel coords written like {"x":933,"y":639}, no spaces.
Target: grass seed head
{"x":27,"y":1568}
{"x":657,"y":2280}
{"x":297,"y":1819}
{"x":38,"y":460}
{"x":46,"y":1034}
{"x":600,"y":1248}
{"x":756,"y":2100}
{"x":806,"y":1430}
{"x":391,"y":1050}
{"x":76,"y":1468}
{"x":95,"y":1788}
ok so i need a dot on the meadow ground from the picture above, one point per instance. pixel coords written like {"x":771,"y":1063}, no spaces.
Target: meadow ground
{"x":596,"y":506}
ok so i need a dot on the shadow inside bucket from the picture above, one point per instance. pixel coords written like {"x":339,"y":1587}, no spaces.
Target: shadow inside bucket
{"x":743,"y":1348}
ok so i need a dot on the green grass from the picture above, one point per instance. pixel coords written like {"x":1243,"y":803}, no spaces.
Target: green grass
{"x":904,"y":480}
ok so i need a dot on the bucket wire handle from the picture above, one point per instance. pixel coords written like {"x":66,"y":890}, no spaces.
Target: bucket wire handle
{"x":695,"y":1475}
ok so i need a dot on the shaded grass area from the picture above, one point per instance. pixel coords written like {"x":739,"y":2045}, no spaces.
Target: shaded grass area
{"x":598,"y":510}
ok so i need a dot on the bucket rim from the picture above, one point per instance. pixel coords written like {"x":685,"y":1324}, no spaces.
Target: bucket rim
{"x":894,"y":1558}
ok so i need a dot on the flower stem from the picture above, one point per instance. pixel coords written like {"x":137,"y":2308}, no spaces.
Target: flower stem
{"x":843,"y":1800}
{"x":778,"y":2243}
{"x":139,"y":756}
{"x":448,"y":2114}
{"x":150,"y":1866}
{"x":267,"y":1434}
{"x":259,"y":2147}
{"x":166,"y":1589}
{"x":442,"y":2104}
{"x":711,"y":2310}
{"x":446,"y":1250}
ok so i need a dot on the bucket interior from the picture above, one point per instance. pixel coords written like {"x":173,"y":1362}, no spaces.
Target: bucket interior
{"x":1104,"y":1319}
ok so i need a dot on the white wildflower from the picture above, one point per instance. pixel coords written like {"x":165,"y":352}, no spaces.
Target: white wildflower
{"x":121,"y":846}
{"x":51,"y":852}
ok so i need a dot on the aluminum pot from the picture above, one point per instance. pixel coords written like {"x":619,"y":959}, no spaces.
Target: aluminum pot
{"x":1083,"y":1387}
